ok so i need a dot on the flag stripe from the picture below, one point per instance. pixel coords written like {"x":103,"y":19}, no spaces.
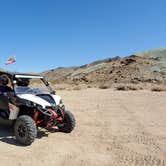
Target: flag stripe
{"x":10,"y":60}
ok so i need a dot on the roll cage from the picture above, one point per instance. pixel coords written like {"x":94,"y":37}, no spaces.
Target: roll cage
{"x":13,"y":76}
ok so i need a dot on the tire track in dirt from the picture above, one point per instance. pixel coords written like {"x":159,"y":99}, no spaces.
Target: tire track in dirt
{"x":125,"y":155}
{"x":117,"y":144}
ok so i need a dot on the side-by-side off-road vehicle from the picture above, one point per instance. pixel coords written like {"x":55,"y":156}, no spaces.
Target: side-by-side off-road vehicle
{"x":31,"y":104}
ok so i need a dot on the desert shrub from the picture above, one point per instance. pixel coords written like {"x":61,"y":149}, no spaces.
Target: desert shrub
{"x":121,"y":87}
{"x":104,"y":87}
{"x":132,"y":87}
{"x":125,"y":87}
{"x":158,"y":88}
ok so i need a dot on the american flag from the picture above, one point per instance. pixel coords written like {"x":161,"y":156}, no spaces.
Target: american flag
{"x":10,"y":60}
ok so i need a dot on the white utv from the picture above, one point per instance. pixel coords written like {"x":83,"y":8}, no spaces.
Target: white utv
{"x":33,"y":104}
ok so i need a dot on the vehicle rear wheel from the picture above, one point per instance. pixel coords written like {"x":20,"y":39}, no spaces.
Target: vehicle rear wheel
{"x":25,"y":130}
{"x":68,"y":123}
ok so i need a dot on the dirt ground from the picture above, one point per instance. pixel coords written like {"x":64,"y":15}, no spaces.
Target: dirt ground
{"x":114,"y":128}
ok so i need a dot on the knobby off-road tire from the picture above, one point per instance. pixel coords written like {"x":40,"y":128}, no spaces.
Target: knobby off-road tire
{"x":68,"y":123}
{"x":25,"y":130}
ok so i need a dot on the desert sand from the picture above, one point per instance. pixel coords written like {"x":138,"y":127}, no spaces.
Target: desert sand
{"x":113,"y":128}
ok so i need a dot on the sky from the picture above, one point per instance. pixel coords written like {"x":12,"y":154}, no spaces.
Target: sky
{"x":46,"y":34}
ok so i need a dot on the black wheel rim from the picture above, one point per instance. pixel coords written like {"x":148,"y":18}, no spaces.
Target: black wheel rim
{"x":65,"y":123}
{"x":21,"y":131}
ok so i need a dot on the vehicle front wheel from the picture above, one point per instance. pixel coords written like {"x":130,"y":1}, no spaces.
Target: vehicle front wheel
{"x":25,"y":130}
{"x":68,"y":123}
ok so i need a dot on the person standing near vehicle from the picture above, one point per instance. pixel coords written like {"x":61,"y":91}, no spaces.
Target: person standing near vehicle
{"x":5,"y":93}
{"x":4,"y":88}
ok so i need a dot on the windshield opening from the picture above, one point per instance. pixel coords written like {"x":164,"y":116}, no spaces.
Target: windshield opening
{"x":30,"y":86}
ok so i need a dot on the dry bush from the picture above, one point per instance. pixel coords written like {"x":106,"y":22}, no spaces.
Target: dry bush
{"x":125,"y":87}
{"x":121,"y":87}
{"x":132,"y":87}
{"x":104,"y":87}
{"x":158,"y":88}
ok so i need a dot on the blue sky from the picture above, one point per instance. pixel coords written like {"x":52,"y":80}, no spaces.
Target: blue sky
{"x":44,"y":34}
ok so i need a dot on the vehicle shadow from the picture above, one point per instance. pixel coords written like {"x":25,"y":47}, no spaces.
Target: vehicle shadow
{"x":7,"y":135}
{"x":45,"y":132}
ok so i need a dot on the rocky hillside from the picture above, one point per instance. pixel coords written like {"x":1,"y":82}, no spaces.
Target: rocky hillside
{"x":143,"y":67}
